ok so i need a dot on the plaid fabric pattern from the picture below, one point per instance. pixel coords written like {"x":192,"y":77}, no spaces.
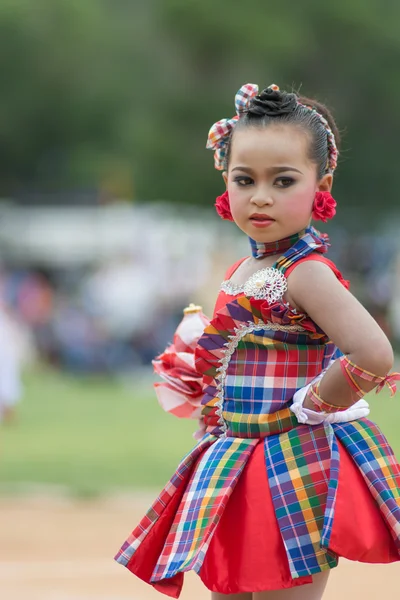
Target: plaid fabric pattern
{"x":273,"y":361}
{"x":302,"y":466}
{"x":311,"y":241}
{"x":155,"y":511}
{"x":220,"y":132}
{"x":349,"y":368}
{"x":201,"y":508}
{"x":262,"y":249}
{"x":378,"y":465}
{"x":263,"y":374}
{"x":298,"y":466}
{"x":332,"y":489}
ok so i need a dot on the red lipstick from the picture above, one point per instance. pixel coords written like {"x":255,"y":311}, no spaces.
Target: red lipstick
{"x":261,"y":220}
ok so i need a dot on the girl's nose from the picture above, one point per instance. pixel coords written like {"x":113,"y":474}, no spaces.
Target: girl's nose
{"x":262,"y":198}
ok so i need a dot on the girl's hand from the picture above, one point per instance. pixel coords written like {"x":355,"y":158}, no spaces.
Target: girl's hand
{"x":307,"y":414}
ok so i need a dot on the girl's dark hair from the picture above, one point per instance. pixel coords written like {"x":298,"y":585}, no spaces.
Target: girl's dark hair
{"x":273,"y":106}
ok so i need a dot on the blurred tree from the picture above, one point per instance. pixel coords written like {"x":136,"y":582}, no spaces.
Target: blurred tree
{"x":88,"y":85}
{"x":64,"y":102}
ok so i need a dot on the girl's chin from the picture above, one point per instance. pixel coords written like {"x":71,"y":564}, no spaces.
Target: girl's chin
{"x":269,"y":233}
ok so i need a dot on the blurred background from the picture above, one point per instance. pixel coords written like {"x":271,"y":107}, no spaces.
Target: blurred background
{"x":107,"y":230}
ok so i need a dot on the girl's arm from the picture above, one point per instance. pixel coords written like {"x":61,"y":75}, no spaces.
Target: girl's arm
{"x":317,"y":292}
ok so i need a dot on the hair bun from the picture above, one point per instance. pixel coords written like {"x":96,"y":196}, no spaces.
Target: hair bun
{"x":272,"y":102}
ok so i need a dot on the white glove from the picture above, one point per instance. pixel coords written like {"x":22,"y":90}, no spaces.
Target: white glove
{"x":311,"y":417}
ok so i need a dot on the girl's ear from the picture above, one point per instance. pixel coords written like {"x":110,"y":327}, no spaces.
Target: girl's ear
{"x":325,"y":184}
{"x":225,"y":177}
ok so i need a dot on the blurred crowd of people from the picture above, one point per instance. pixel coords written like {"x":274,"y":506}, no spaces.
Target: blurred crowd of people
{"x":108,"y":320}
{"x":370,"y":262}
{"x":117,"y":314}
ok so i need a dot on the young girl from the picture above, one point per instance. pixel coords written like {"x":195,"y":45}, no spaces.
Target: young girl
{"x":289,"y":475}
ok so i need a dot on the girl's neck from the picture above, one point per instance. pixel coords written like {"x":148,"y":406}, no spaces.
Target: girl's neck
{"x":263,"y":249}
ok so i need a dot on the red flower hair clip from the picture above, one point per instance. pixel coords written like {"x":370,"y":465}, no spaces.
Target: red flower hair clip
{"x":324,"y":207}
{"x":223,"y":207}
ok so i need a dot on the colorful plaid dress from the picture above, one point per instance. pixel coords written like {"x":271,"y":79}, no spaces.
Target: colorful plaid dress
{"x":263,"y":502}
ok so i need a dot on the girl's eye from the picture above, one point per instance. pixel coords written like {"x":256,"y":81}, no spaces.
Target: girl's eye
{"x":284,"y":182}
{"x":243,"y":180}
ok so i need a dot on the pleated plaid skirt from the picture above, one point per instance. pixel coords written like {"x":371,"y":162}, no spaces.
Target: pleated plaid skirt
{"x":247,"y":553}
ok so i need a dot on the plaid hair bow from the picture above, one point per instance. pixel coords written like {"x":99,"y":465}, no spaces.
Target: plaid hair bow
{"x":220,"y":132}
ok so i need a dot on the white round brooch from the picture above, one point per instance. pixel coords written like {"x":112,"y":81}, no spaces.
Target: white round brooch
{"x":266,"y":284}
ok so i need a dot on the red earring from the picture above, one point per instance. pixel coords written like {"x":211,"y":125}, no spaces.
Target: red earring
{"x":324,"y":207}
{"x":223,"y":208}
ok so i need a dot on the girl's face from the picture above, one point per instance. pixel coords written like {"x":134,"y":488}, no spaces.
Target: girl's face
{"x":271,"y":181}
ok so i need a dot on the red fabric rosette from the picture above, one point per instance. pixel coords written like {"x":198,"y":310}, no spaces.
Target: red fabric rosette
{"x":181,"y":391}
{"x":324,"y":207}
{"x":223,"y":208}
{"x":284,"y":315}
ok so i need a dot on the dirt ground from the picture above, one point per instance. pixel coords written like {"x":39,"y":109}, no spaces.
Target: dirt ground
{"x":62,"y":549}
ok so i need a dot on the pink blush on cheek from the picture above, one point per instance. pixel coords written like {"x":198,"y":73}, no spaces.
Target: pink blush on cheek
{"x":238,"y":201}
{"x":236,"y":195}
{"x":300,"y":203}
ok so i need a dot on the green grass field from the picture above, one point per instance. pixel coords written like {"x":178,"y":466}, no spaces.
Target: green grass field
{"x":91,"y":435}
{"x":97,"y":435}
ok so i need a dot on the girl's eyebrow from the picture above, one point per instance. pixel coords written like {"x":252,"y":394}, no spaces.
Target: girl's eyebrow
{"x":272,"y":170}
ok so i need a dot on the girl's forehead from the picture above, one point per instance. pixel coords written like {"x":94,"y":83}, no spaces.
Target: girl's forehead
{"x":271,"y":144}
